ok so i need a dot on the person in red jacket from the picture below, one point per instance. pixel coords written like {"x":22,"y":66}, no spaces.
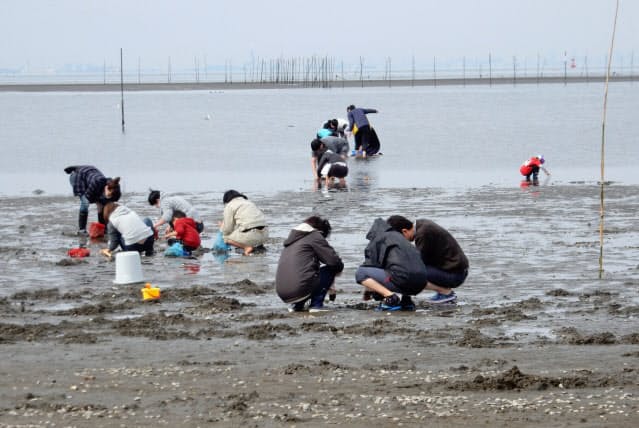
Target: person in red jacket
{"x":532,"y":167}
{"x":184,"y":231}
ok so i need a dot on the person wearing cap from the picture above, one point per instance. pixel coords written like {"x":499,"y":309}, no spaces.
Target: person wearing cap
{"x":169,"y":204}
{"x":360,"y":127}
{"x":532,"y":167}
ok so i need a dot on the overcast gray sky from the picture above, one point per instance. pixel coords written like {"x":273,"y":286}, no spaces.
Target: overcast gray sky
{"x":47,"y":33}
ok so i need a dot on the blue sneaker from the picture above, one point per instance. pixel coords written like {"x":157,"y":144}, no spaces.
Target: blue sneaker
{"x":390,"y":304}
{"x":443,"y":298}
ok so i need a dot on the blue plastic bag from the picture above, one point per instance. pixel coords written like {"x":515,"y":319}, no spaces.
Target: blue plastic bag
{"x":175,"y":250}
{"x":219,"y":246}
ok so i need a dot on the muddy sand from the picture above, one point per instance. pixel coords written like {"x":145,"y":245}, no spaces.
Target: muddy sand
{"x":536,"y":338}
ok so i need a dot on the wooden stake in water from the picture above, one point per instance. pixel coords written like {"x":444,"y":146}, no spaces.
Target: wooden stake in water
{"x":122,"y":89}
{"x":603,"y":144}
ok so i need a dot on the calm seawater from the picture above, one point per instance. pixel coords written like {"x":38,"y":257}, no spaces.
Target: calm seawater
{"x":258,"y":140}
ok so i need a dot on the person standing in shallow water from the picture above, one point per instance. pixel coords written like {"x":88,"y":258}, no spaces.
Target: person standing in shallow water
{"x":244,"y":224}
{"x":92,"y":187}
{"x":446,"y":263}
{"x":299,"y":276}
{"x":360,"y":127}
{"x":532,"y":167}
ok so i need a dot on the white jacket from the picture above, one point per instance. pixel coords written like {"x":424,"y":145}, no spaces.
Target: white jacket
{"x":130,"y":226}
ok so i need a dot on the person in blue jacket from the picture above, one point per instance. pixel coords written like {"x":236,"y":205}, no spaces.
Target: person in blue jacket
{"x":360,"y":127}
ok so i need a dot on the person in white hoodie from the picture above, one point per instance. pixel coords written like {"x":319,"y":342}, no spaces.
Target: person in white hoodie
{"x":127,"y":230}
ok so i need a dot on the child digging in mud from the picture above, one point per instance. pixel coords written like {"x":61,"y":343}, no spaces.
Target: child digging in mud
{"x":392,"y":265}
{"x":300,"y":278}
{"x":184,"y":231}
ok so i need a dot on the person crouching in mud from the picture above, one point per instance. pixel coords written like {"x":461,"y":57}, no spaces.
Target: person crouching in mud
{"x":127,"y":230}
{"x":244,"y":224}
{"x":392,"y":265}
{"x":445,"y":261}
{"x":184,"y":231}
{"x":92,"y":187}
{"x":300,"y":278}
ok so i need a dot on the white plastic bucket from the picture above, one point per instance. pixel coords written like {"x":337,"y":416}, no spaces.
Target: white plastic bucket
{"x":128,"y":268}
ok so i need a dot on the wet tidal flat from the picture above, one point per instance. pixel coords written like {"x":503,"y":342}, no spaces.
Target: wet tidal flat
{"x":535,"y":340}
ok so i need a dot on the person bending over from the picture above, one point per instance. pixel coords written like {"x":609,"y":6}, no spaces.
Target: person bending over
{"x":127,"y":230}
{"x":92,"y":187}
{"x":169,"y":204}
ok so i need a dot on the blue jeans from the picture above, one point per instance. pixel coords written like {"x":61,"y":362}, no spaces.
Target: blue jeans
{"x":84,"y":202}
{"x":326,"y":279}
{"x":378,"y":274}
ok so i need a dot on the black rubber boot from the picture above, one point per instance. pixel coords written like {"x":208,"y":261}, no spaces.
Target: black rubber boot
{"x":82,"y":222}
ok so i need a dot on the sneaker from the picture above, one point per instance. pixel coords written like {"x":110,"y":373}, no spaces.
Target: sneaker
{"x":316,"y":309}
{"x":443,"y":298}
{"x":83,"y":232}
{"x":297,"y":307}
{"x":407,"y":303}
{"x":390,"y":303}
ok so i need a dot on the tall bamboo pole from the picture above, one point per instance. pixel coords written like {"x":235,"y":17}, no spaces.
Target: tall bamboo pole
{"x":122,"y":89}
{"x":603,"y":144}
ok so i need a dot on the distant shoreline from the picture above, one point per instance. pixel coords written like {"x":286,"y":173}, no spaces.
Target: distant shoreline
{"x":217,"y":86}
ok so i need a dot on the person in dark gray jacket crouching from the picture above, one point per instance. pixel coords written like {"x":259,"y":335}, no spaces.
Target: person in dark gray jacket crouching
{"x":299,"y":276}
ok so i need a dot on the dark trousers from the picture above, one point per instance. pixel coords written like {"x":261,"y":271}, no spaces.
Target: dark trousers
{"x":534,"y":173}
{"x":326,"y":279}
{"x":147,"y":246}
{"x":362,"y":137}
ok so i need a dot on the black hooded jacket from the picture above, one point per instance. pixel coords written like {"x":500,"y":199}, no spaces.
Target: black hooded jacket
{"x":438,"y":248}
{"x":298,"y":268}
{"x":389,"y":250}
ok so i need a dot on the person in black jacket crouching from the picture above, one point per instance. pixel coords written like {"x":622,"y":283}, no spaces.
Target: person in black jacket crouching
{"x":392,"y":264}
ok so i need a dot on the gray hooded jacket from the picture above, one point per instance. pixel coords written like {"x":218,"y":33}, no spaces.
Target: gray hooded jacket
{"x":298,"y":269}
{"x":389,"y":250}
